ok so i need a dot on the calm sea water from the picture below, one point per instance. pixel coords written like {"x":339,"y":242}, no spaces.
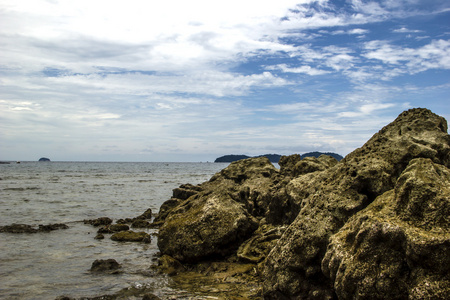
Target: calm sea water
{"x":47,"y":265}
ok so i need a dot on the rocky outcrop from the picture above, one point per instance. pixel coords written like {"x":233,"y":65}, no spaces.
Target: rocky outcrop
{"x":400,"y":244}
{"x":327,"y":199}
{"x":373,"y":225}
{"x":221,"y":215}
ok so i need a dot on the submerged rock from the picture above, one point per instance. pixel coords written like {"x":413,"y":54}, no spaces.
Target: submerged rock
{"x":106,"y":266}
{"x":99,"y":221}
{"x":24,"y":228}
{"x":131,"y":236}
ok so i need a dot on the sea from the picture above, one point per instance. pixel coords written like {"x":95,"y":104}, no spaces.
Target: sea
{"x":46,"y":265}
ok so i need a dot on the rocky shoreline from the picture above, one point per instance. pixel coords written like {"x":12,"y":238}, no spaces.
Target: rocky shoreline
{"x":374,"y":225}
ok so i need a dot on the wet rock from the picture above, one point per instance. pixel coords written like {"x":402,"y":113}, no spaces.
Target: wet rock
{"x":51,"y":227}
{"x":328,"y":199}
{"x":99,"y":236}
{"x":131,"y":236}
{"x":99,"y":221}
{"x":104,"y":229}
{"x":106,"y":266}
{"x":219,"y":280}
{"x":169,"y":265}
{"x":118,"y":227}
{"x":146,"y":215}
{"x":18,"y":228}
{"x":140,"y":224}
{"x":24,"y":228}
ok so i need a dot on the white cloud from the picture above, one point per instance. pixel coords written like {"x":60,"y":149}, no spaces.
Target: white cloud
{"x":300,"y":70}
{"x":433,"y":55}
{"x":356,"y":31}
{"x":406,"y":30}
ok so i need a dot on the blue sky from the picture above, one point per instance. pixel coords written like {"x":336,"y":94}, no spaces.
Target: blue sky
{"x":193,"y":80}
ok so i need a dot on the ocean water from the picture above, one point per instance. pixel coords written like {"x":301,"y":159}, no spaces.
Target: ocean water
{"x":51,"y":264}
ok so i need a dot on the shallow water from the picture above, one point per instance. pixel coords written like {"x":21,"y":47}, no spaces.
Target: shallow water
{"x":47,"y":265}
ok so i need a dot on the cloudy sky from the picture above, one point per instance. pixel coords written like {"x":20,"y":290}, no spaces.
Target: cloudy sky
{"x":176,"y":80}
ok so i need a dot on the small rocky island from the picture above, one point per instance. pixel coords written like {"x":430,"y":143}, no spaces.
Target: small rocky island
{"x":374,"y":225}
{"x":44,"y":159}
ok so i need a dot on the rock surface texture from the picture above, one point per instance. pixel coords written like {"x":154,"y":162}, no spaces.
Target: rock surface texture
{"x":372,"y":226}
{"x":297,"y":266}
{"x":217,"y":217}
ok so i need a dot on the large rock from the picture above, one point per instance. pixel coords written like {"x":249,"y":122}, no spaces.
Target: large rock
{"x":285,"y":202}
{"x":220,"y":215}
{"x":327,"y":199}
{"x":399,"y":246}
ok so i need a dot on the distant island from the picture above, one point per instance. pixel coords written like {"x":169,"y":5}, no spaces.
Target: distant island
{"x":274,"y":158}
{"x":44,"y":159}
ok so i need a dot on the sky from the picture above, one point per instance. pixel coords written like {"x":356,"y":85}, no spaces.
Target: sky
{"x":176,"y":80}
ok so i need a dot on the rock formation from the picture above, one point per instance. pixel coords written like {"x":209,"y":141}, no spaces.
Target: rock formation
{"x":220,"y":215}
{"x":373,"y":225}
{"x":25,"y":228}
{"x":329,"y":198}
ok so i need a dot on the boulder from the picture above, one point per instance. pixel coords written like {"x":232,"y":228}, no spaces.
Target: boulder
{"x":205,"y":227}
{"x":327,"y":199}
{"x":105,"y":266}
{"x":222,"y":214}
{"x":118,"y":227}
{"x":398,"y":247}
